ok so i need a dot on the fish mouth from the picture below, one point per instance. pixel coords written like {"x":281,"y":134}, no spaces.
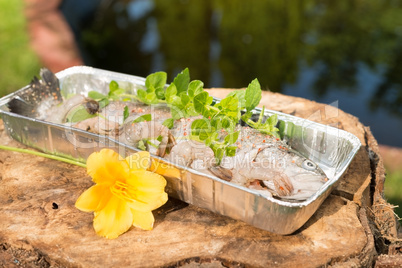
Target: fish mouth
{"x":310,"y":177}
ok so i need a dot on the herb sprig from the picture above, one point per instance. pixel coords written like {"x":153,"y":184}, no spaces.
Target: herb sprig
{"x":217,"y":127}
{"x":116,"y":92}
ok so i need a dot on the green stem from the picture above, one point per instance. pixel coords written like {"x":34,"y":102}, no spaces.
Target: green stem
{"x":54,"y":157}
{"x":129,"y":96}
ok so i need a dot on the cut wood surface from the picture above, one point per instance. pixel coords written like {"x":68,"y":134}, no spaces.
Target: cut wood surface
{"x":40,"y":227}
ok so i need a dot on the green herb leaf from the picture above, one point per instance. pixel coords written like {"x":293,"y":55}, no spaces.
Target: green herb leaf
{"x":269,"y":127}
{"x":151,"y":98}
{"x":156,"y":80}
{"x":78,"y":114}
{"x":241,"y":96}
{"x":142,"y":118}
{"x":169,"y":123}
{"x":177,"y":112}
{"x":125,"y":113}
{"x":141,"y":93}
{"x":149,"y":142}
{"x":185,"y":99}
{"x":170,"y":93}
{"x":96,"y":95}
{"x":201,"y":103}
{"x":231,"y":150}
{"x":246,"y":116}
{"x":103,"y":103}
{"x":253,"y":95}
{"x":230,"y":107}
{"x":194,"y":88}
{"x":217,"y":128}
{"x":232,"y":137}
{"x":113,"y":86}
{"x":200,"y":126}
{"x":182,"y":80}
{"x":272,"y":120}
{"x":160,"y":93}
{"x":141,"y":145}
{"x":219,"y":153}
{"x":116,"y":92}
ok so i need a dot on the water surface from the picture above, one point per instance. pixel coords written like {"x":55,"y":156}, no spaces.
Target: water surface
{"x":346,"y":53}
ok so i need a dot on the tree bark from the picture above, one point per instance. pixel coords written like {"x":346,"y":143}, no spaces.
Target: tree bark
{"x":40,"y":227}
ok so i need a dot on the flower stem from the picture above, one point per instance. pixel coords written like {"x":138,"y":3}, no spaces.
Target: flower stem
{"x":54,"y":157}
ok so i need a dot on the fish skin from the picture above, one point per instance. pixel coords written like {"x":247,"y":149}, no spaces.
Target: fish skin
{"x":261,"y":158}
{"x":262,"y":162}
{"x":269,"y":160}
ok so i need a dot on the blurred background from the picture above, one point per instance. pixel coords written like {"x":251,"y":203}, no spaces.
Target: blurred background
{"x":344,"y":52}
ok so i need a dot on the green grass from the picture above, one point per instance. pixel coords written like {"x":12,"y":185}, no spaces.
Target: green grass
{"x":18,"y":62}
{"x":392,"y":190}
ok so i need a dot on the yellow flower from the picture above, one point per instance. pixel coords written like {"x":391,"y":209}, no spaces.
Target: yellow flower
{"x":125,"y":192}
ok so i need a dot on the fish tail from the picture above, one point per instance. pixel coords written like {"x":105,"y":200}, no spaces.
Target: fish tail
{"x":39,"y":91}
{"x":50,"y":80}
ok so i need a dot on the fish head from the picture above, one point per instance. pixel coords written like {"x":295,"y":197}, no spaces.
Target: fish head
{"x":285,"y":172}
{"x":305,"y":175}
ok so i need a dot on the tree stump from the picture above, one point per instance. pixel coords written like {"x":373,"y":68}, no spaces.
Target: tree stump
{"x":354,"y":227}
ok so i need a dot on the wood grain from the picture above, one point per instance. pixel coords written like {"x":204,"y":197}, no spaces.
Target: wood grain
{"x":40,"y":227}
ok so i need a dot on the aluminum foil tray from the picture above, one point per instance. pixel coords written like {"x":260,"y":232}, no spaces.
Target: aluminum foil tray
{"x":332,"y":149}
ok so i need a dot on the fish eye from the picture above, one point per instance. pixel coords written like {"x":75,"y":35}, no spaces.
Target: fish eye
{"x":92,"y":106}
{"x":309,"y":165}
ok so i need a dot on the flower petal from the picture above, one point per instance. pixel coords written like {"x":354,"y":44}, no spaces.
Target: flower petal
{"x":164,"y":169}
{"x":94,"y":198}
{"x":114,"y":219}
{"x":106,"y":166}
{"x":140,"y":160}
{"x":148,"y":190}
{"x":147,"y":181}
{"x":143,"y":220}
